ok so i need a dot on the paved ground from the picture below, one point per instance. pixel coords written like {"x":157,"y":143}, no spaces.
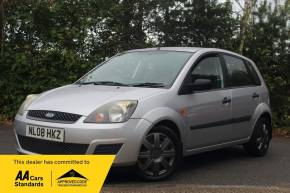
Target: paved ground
{"x":6,"y":141}
{"x":191,"y":188}
{"x":227,"y":170}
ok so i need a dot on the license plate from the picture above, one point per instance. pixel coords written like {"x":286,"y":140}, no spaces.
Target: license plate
{"x":47,"y":133}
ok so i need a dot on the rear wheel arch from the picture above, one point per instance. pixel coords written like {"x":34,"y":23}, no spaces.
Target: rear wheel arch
{"x":268,"y":117}
{"x":262,"y":110}
{"x":260,"y":140}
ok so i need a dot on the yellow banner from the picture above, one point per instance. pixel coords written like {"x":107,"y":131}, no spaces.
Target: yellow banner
{"x":53,"y":173}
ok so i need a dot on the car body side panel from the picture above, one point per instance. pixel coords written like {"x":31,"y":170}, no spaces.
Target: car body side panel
{"x":207,"y":117}
{"x":244,"y":106}
{"x":167,"y":106}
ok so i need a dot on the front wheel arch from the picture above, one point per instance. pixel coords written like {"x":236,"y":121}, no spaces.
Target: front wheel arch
{"x":171,"y":125}
{"x":175,"y":142}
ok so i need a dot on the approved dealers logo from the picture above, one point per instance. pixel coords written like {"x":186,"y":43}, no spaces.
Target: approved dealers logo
{"x":26,"y":179}
{"x":72,"y":178}
{"x":53,"y":173}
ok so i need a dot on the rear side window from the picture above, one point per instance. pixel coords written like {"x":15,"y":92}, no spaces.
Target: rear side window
{"x":238,"y":73}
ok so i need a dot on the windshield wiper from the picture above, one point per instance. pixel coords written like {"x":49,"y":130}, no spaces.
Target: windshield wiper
{"x":149,"y":84}
{"x":111,"y":83}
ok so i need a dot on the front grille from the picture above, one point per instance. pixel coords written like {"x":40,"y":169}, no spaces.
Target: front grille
{"x":52,"y":116}
{"x":108,"y":149}
{"x":40,"y":146}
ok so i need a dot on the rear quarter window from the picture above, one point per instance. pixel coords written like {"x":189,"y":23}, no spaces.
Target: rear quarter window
{"x":255,"y":78}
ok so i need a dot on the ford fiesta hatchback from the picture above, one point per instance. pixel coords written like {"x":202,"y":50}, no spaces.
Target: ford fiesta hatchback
{"x":151,"y":107}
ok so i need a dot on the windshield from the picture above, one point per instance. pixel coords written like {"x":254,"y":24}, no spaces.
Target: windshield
{"x":143,"y":68}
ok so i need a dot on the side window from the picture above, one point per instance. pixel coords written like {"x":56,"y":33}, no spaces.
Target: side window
{"x":238,"y":74}
{"x":255,"y":77}
{"x":209,"y":68}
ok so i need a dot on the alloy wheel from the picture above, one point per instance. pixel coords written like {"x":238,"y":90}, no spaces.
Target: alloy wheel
{"x":262,"y":139}
{"x":157,"y":154}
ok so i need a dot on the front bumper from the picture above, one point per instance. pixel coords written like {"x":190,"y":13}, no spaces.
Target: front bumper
{"x":92,"y":136}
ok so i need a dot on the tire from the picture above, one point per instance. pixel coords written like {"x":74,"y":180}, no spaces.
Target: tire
{"x":261,"y":137}
{"x":159,"y":155}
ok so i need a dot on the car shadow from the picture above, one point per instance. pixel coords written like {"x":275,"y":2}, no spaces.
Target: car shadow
{"x":194,"y":164}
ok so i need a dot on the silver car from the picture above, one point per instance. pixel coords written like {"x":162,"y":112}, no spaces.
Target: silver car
{"x":151,"y":107}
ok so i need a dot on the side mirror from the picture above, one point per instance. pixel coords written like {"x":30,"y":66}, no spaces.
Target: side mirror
{"x":198,"y":85}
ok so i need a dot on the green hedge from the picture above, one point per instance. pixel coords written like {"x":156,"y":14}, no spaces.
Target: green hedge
{"x":26,"y":73}
{"x":52,"y":43}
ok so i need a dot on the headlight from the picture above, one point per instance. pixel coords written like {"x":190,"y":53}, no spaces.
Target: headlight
{"x":29,"y":99}
{"x":115,"y":112}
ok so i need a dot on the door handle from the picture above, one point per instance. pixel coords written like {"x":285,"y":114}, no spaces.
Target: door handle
{"x":227,"y":100}
{"x":255,"y":95}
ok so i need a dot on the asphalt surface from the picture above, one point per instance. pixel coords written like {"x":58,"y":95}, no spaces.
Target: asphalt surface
{"x":226,"y":170}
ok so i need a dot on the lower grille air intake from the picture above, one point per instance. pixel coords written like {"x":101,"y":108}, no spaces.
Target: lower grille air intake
{"x":108,"y":149}
{"x":40,"y":146}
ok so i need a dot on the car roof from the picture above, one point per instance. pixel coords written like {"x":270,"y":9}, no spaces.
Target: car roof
{"x":188,"y":49}
{"x":181,"y":49}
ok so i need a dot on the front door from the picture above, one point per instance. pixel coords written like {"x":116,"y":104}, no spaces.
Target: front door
{"x":209,"y":111}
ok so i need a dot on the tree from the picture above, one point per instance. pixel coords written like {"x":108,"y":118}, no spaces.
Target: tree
{"x":199,"y":23}
{"x":267,"y":44}
{"x":45,"y":44}
{"x":2,"y":26}
{"x":244,"y":23}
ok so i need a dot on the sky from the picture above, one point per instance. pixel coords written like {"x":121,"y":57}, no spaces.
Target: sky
{"x":237,"y":8}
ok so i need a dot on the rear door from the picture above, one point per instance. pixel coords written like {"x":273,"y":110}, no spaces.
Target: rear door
{"x":245,"y":93}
